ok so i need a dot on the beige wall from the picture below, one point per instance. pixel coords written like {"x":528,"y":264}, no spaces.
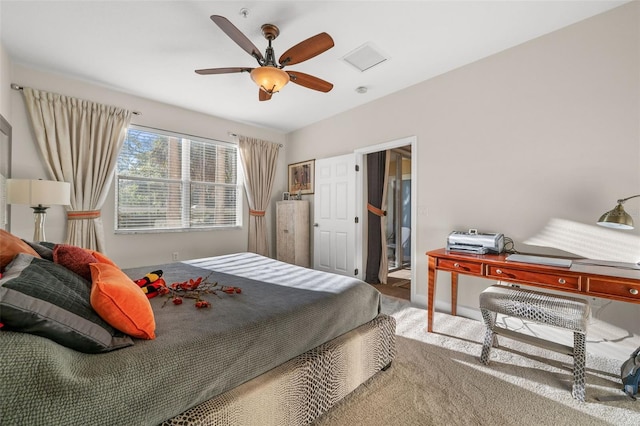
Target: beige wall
{"x":128,"y":249}
{"x":547,"y":129}
{"x":5,"y":82}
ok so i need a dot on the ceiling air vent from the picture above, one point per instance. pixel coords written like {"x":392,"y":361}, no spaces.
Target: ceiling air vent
{"x":365,"y":57}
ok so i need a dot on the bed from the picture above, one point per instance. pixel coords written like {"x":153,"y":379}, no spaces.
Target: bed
{"x":283,"y":351}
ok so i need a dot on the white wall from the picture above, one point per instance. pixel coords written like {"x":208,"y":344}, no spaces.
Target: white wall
{"x":548,"y":129}
{"x":128,"y":250}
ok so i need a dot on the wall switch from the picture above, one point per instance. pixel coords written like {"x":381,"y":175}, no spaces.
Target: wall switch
{"x":174,"y":255}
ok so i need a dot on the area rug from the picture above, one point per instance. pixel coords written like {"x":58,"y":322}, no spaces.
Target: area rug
{"x":437,"y":379}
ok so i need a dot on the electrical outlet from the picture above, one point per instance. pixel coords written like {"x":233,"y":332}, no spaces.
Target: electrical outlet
{"x":174,"y":255}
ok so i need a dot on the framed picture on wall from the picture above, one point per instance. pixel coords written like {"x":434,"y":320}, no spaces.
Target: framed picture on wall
{"x":301,"y":177}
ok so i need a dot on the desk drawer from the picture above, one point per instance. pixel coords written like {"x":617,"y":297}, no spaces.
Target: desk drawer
{"x":620,"y":289}
{"x":552,"y":280}
{"x":461,"y":266}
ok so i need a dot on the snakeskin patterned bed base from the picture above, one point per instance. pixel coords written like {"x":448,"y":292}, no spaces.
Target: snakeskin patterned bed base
{"x":300,"y":390}
{"x":566,"y":312}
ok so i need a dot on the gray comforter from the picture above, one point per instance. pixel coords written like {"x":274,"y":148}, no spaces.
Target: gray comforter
{"x":282,"y":312}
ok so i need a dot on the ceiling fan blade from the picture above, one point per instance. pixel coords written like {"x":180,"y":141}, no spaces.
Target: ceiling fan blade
{"x":207,"y":71}
{"x":263,"y":96}
{"x":236,"y":35}
{"x":307,"y":49}
{"x":310,"y":81}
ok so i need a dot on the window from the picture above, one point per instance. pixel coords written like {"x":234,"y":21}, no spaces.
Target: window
{"x":168,"y":181}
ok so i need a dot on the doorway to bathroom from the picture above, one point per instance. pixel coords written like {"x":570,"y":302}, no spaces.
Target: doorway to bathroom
{"x":399,"y":223}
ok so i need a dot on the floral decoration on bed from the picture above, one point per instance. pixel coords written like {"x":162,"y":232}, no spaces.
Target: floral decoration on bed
{"x":152,"y":284}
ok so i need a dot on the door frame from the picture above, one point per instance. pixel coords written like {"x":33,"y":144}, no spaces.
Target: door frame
{"x":361,"y":209}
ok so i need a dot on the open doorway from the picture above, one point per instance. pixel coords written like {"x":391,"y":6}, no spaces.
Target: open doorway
{"x":400,"y":213}
{"x":339,"y":242}
{"x":399,"y":222}
{"x":399,"y":209}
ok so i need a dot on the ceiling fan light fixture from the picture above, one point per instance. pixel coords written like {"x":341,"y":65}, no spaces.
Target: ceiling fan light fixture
{"x":269,"y":78}
{"x":269,"y":75}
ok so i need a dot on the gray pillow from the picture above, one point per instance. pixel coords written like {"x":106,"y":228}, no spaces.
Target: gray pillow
{"x":43,"y":250}
{"x":40,"y":297}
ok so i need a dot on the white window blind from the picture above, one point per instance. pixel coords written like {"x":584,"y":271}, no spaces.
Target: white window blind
{"x":168,"y":181}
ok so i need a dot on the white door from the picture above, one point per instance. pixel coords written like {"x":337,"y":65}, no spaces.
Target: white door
{"x":334,"y":214}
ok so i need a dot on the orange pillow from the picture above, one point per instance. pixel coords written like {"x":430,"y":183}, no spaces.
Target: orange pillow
{"x":120,"y":302}
{"x":101,"y":257}
{"x":10,"y":246}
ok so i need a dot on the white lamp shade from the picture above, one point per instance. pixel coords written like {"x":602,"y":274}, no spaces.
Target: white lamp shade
{"x":35,"y":192}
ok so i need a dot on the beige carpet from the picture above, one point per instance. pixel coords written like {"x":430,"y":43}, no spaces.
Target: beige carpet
{"x":437,"y":379}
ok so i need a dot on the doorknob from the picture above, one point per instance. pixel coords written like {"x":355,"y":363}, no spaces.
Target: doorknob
{"x":315,"y":225}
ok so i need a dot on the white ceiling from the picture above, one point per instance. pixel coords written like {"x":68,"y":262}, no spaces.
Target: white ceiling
{"x":151,"y":48}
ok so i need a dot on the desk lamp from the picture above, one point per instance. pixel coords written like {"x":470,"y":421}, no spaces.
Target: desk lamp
{"x":617,"y":218}
{"x":40,"y":195}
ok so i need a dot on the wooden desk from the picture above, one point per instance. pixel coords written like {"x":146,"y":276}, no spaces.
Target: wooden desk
{"x":586,"y":280}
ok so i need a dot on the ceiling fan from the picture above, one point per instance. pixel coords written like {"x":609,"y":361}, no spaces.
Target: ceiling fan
{"x":269,"y":76}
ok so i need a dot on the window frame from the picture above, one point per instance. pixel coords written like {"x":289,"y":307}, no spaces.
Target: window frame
{"x":184,"y":183}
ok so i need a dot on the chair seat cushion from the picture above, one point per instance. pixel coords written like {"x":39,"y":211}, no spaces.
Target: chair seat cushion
{"x":557,"y":310}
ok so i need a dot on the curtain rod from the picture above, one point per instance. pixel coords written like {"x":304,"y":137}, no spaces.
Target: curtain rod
{"x":20,"y":88}
{"x":235,"y":135}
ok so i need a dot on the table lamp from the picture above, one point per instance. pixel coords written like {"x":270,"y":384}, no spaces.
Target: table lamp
{"x":617,"y":218}
{"x":40,"y":195}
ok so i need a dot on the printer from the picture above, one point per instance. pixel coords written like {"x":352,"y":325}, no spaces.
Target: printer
{"x":475,"y":242}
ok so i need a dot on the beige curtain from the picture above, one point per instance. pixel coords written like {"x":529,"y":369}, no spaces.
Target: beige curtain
{"x":79,"y":141}
{"x":259,"y":159}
